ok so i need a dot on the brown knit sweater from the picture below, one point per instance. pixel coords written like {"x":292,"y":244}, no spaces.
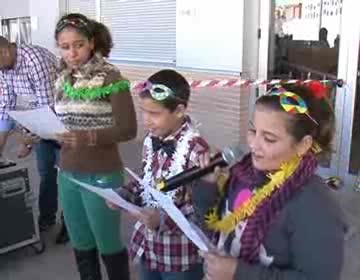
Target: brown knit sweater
{"x":108,"y":119}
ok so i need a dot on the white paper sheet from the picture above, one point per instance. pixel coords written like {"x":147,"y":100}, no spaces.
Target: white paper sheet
{"x":189,"y":230}
{"x":41,"y":121}
{"x":111,"y":196}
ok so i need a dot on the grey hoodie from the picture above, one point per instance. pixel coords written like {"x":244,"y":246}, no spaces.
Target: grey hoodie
{"x":306,"y":240}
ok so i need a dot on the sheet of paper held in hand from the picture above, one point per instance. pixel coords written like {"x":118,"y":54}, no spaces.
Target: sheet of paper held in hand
{"x":41,"y":121}
{"x":189,"y":229}
{"x":110,"y":196}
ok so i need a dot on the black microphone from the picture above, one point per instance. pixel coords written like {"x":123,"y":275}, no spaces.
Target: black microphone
{"x":227,"y":157}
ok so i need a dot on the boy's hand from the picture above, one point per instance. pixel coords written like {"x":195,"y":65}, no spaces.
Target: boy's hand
{"x":149,"y":217}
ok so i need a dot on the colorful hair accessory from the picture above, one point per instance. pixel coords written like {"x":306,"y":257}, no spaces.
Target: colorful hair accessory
{"x":286,"y":99}
{"x":159,"y":92}
{"x":276,"y":90}
{"x":291,"y":102}
{"x":318,"y":89}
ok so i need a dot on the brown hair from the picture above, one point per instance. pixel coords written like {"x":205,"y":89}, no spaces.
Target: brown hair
{"x":90,"y":29}
{"x":300,"y":125}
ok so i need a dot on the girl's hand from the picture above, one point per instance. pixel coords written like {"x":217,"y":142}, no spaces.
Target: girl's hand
{"x":219,"y":267}
{"x":204,"y":161}
{"x":74,"y":138}
{"x":111,"y":205}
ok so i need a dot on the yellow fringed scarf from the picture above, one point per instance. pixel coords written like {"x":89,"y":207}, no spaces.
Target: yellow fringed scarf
{"x":229,"y":222}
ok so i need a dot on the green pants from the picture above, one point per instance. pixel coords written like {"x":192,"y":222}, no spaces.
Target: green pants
{"x":91,"y":224}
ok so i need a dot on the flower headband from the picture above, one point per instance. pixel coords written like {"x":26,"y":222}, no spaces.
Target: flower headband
{"x":159,"y":92}
{"x":74,"y":22}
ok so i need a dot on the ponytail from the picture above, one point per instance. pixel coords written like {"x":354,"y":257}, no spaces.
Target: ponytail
{"x":102,"y":38}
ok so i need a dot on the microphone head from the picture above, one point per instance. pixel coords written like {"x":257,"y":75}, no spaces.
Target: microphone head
{"x":233,"y":154}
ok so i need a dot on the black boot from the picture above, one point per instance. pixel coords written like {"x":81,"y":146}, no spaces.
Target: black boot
{"x":88,"y":264}
{"x":117,"y":265}
{"x":62,"y":237}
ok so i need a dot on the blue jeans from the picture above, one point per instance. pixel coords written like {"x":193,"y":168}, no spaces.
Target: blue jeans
{"x":47,"y":155}
{"x":6,"y":125}
{"x":194,"y":273}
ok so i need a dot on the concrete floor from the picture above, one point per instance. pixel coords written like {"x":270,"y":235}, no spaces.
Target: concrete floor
{"x":57,"y":262}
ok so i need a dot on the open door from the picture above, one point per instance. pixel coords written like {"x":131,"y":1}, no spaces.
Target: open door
{"x":315,"y":39}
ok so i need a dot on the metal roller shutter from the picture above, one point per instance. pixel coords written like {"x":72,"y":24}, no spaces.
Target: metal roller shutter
{"x":85,"y":7}
{"x":142,"y":30}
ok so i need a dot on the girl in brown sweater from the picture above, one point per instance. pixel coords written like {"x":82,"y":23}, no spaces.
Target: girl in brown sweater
{"x":94,"y":102}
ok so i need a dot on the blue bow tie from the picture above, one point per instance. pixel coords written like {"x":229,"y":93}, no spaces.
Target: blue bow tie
{"x":168,"y":146}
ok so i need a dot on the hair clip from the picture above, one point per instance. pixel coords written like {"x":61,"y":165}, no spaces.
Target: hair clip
{"x":291,"y":102}
{"x":75,"y":22}
{"x":276,"y":90}
{"x":299,"y":107}
{"x":318,"y":89}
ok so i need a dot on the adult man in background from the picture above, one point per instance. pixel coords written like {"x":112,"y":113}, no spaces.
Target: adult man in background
{"x":323,"y":34}
{"x":29,"y":73}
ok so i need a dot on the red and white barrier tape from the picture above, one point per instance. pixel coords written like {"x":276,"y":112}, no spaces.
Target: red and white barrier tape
{"x":225,"y":83}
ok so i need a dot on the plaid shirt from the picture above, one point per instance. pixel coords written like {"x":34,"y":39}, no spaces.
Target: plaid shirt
{"x":33,"y":78}
{"x":166,"y":249}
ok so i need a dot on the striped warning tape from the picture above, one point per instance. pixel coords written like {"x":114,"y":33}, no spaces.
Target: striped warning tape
{"x":225,"y":83}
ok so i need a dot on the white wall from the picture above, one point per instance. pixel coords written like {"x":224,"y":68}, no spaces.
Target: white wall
{"x":251,"y":39}
{"x":14,"y":8}
{"x":44,"y":16}
{"x":265,"y":40}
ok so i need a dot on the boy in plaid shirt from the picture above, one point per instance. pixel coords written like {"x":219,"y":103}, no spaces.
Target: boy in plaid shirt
{"x":172,"y":145}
